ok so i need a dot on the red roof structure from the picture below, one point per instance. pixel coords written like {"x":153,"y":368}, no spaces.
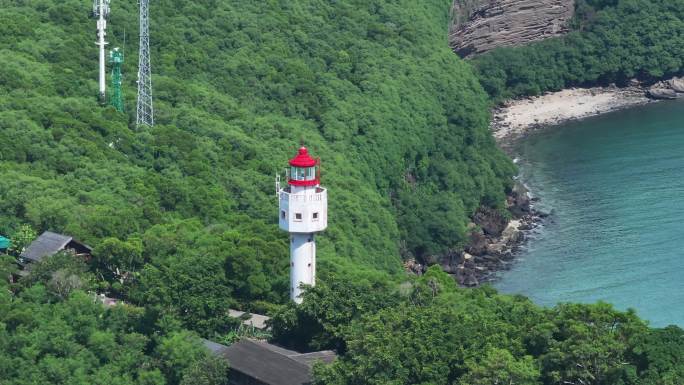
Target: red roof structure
{"x":302,"y":174}
{"x":303,"y":159}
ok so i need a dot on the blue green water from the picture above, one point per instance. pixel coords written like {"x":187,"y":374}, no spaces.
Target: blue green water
{"x":615,"y":184}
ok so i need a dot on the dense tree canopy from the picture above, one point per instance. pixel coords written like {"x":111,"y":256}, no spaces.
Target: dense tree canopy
{"x":613,"y":41}
{"x":430,"y":332}
{"x":371,"y":87}
{"x":79,"y":341}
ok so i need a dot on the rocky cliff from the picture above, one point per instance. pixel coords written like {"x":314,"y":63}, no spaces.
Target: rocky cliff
{"x":482,"y":25}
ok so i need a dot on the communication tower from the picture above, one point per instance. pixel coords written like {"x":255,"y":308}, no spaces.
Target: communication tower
{"x":116,"y":59}
{"x":101,"y":12}
{"x":303,"y":207}
{"x":145,"y":112}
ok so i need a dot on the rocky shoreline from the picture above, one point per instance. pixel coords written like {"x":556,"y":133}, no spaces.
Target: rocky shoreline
{"x":495,"y":239}
{"x":494,"y":243}
{"x":517,"y":118}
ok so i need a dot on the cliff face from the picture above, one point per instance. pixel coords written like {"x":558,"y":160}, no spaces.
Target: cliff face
{"x":482,"y":25}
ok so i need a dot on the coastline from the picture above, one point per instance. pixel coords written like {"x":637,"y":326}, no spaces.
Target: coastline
{"x":516,"y":118}
{"x":496,"y":239}
{"x":495,"y":243}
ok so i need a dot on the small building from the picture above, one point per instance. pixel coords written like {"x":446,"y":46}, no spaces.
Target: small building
{"x":50,"y":243}
{"x":260,"y":363}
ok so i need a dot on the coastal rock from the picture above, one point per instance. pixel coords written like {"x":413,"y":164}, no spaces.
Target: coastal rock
{"x":470,"y":280}
{"x":519,"y":203}
{"x":511,"y":234}
{"x":662,"y":93}
{"x":479,"y":26}
{"x":478,"y":243}
{"x":676,"y":84}
{"x":491,"y":221}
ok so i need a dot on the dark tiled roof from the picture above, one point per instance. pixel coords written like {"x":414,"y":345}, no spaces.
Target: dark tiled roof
{"x":214,"y":347}
{"x":268,"y":363}
{"x":47,"y":244}
{"x":325,"y":356}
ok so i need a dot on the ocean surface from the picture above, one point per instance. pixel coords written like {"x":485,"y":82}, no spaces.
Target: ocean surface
{"x":615,"y":187}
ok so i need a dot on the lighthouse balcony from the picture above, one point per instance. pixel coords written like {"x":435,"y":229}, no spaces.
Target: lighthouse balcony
{"x":304,"y":211}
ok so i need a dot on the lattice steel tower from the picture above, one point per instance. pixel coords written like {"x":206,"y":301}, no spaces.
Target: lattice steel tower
{"x":116,"y":59}
{"x":145,"y":112}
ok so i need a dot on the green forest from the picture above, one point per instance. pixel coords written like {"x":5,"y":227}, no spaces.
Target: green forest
{"x":612,"y":42}
{"x":182,"y":216}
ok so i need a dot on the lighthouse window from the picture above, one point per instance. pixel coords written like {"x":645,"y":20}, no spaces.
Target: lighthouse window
{"x":310,"y":173}
{"x":315,"y":216}
{"x":298,"y":216}
{"x":283,"y":214}
{"x":298,"y":173}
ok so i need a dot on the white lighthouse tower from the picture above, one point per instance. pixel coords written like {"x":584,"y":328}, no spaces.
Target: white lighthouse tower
{"x":303,"y":213}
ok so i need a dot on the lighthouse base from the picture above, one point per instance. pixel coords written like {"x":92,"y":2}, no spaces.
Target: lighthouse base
{"x":302,"y":264}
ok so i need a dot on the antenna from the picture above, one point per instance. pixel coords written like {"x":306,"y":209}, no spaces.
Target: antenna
{"x":145,"y":112}
{"x":101,"y":12}
{"x":116,"y":59}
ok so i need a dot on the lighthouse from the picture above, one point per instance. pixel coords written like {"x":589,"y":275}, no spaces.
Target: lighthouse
{"x":303,"y":205}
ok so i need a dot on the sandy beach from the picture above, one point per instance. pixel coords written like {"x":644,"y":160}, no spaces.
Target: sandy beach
{"x":517,"y":117}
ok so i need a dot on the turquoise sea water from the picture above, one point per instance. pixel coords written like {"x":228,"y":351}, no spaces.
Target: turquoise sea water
{"x":615,"y":184}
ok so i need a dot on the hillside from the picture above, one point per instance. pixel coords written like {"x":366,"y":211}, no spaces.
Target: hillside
{"x":612,"y":42}
{"x":372,"y":88}
{"x":183,"y":219}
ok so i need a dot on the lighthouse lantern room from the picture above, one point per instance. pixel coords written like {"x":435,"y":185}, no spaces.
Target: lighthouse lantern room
{"x":303,"y":207}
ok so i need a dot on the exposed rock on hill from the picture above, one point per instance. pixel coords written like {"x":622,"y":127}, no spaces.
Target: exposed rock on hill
{"x":482,"y":25}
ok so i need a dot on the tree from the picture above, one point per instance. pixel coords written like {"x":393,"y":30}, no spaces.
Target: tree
{"x":63,"y":282}
{"x":62,"y":273}
{"x":212,"y":370}
{"x":119,"y":259}
{"x":590,"y":345}
{"x":21,"y":239}
{"x":499,"y":367}
{"x":321,"y":320}
{"x":658,"y":354}
{"x":182,"y":353}
{"x":8,"y":267}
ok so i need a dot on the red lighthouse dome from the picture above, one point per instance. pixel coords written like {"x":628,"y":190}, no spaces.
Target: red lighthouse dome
{"x":304,"y":170}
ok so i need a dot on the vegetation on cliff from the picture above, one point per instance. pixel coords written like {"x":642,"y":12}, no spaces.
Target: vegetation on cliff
{"x":613,"y":41}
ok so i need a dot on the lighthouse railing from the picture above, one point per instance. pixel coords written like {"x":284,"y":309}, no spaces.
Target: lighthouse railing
{"x":318,"y":196}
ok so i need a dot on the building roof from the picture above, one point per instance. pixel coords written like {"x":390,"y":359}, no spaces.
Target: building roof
{"x":303,"y":159}
{"x":256,"y":320}
{"x":4,"y":243}
{"x":269,"y":363}
{"x":46,"y":244}
{"x":50,"y":243}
